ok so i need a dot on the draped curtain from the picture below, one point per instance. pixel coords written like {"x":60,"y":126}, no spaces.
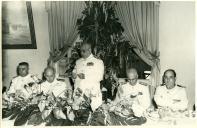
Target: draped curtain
{"x":140,"y":21}
{"x":62,"y":18}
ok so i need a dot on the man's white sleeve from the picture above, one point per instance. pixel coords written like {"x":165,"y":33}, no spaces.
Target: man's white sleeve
{"x":145,"y":100}
{"x":12,"y":87}
{"x":182,"y":105}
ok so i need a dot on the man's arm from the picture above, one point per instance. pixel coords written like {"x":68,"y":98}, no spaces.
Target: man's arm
{"x":160,"y":98}
{"x":182,"y":102}
{"x":140,"y":106}
{"x":145,"y":98}
{"x":12,"y":87}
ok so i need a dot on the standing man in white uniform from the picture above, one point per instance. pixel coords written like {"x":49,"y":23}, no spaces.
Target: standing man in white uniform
{"x":170,"y":95}
{"x":88,"y":73}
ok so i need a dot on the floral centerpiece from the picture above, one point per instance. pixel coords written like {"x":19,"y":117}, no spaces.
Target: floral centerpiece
{"x":81,"y":107}
{"x":37,"y":108}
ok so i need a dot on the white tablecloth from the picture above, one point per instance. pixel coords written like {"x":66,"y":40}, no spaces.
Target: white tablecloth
{"x":176,"y":122}
{"x":180,"y":122}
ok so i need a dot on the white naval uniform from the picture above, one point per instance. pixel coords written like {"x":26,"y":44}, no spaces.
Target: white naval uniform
{"x":93,"y":69}
{"x":164,"y":97}
{"x":142,"y":99}
{"x":56,"y":87}
{"x":18,"y":84}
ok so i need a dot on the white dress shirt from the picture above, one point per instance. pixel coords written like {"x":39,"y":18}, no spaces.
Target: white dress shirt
{"x":58,"y":88}
{"x":142,"y":100}
{"x":165,"y":97}
{"x":93,"y":69}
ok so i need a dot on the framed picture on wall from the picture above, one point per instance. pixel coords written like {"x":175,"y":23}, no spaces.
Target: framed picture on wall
{"x":17,"y":25}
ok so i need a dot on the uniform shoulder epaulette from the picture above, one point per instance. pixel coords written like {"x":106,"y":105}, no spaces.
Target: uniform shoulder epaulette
{"x":41,"y":81}
{"x":181,"y":86}
{"x":162,"y":84}
{"x":122,"y":83}
{"x":143,"y":83}
{"x":78,"y":60}
{"x":14,"y":77}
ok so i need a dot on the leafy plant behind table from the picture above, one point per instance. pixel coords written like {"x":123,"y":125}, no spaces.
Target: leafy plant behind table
{"x":100,"y":26}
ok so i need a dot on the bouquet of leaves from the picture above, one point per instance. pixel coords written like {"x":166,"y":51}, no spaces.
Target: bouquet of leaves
{"x":123,"y":107}
{"x":81,"y":107}
{"x":100,"y":117}
{"x":36,"y":108}
{"x":57,"y":108}
{"x":19,"y":106}
{"x":120,"y":112}
{"x":21,"y":109}
{"x":81,"y":101}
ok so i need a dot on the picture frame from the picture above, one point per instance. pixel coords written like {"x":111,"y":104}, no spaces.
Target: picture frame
{"x":18,"y":25}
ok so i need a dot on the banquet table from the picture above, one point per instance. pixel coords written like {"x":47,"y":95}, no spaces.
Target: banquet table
{"x":186,"y":121}
{"x":173,"y":121}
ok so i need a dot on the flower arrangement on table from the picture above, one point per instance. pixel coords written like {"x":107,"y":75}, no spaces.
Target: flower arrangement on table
{"x":81,"y":107}
{"x":53,"y":108}
{"x":123,"y":111}
{"x":19,"y":106}
{"x":37,"y":108}
{"x":123,"y":107}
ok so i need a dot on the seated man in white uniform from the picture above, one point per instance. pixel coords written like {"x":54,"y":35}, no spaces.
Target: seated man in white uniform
{"x":60,"y":90}
{"x":24,"y":84}
{"x":171,"y":96}
{"x":133,"y":94}
{"x":88,"y":73}
{"x":52,"y":85}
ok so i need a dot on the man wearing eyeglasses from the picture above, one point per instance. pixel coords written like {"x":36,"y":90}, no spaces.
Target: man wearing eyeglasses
{"x":171,"y":96}
{"x":88,"y":73}
{"x":133,"y":94}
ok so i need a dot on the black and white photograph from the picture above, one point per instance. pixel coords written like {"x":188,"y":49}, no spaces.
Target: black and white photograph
{"x":98,"y":63}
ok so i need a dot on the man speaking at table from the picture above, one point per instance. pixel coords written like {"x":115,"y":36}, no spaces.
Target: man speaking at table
{"x":88,"y":73}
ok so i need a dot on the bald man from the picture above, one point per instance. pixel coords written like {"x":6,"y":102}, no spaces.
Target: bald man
{"x":88,"y":73}
{"x":52,"y":85}
{"x":136,"y":93}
